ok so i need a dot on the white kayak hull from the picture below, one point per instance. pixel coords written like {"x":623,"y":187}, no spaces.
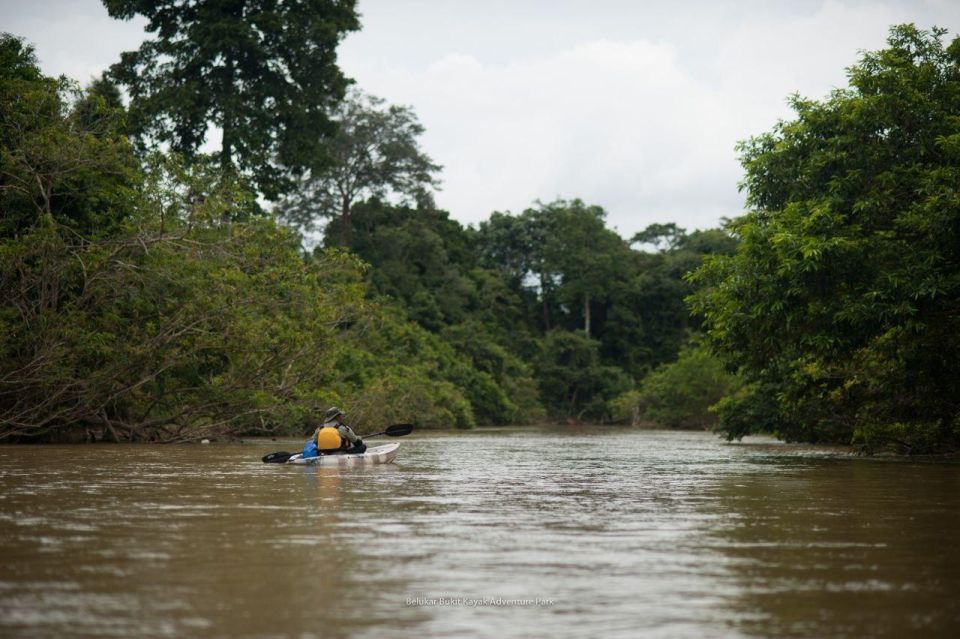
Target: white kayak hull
{"x":374,"y":455}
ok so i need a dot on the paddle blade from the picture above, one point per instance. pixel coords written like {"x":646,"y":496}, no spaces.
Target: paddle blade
{"x":398,"y":430}
{"x":279,"y":457}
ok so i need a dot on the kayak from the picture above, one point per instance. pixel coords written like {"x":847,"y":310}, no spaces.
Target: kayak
{"x":373,"y":455}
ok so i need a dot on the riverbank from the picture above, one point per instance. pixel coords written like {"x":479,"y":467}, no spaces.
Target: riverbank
{"x":766,"y":444}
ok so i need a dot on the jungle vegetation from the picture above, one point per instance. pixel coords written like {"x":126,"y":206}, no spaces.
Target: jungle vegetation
{"x":150,"y":291}
{"x":841,"y":305}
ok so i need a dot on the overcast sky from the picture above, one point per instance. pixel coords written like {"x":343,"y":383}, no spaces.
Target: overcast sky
{"x":632,"y":105}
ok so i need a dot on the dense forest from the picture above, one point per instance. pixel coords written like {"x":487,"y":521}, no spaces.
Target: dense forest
{"x":151,"y":291}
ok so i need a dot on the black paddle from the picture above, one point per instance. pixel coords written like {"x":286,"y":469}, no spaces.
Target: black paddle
{"x":396,"y":430}
{"x":278,"y":457}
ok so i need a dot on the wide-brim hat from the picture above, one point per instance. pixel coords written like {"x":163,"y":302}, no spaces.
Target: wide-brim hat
{"x":332,"y":413}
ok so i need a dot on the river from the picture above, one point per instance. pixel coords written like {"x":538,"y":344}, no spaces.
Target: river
{"x":552,"y":532}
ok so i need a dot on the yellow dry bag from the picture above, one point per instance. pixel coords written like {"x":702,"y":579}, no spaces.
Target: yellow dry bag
{"x":328,"y":438}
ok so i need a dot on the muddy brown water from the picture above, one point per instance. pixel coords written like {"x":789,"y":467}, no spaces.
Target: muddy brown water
{"x":543,"y":533}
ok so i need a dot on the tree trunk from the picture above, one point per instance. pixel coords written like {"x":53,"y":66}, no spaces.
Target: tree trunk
{"x":586,"y":314}
{"x":546,"y":306}
{"x":226,"y":146}
{"x":226,"y":152}
{"x":345,"y":222}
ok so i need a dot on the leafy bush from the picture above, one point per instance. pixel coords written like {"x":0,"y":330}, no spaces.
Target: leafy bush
{"x":679,"y":394}
{"x":405,"y":394}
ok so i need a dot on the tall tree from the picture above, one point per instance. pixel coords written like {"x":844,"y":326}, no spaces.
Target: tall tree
{"x":417,"y":255}
{"x":263,"y":71}
{"x":586,"y":256}
{"x":842,"y":303}
{"x":565,"y":247}
{"x":374,"y":153}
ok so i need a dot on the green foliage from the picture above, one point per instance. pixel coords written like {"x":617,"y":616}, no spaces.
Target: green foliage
{"x":573,"y":382}
{"x":679,"y":394}
{"x":565,"y":250}
{"x":151,"y":297}
{"x":188,"y":323}
{"x":488,"y":314}
{"x":753,"y":409}
{"x":662,"y":236}
{"x":18,"y":60}
{"x":405,"y":395}
{"x":569,"y":271}
{"x":419,"y":256}
{"x":374,"y":153}
{"x":61,"y":152}
{"x":501,"y":386}
{"x":196,"y":331}
{"x":840,"y":305}
{"x":157,"y":302}
{"x":395,"y":371}
{"x":422,"y":260}
{"x":265,"y":73}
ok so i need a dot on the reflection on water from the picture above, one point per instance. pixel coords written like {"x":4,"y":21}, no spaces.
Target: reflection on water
{"x":561,"y":533}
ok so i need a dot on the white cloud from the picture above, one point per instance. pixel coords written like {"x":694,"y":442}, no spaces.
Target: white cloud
{"x":76,"y":39}
{"x":615,"y":123}
{"x":644,"y":126}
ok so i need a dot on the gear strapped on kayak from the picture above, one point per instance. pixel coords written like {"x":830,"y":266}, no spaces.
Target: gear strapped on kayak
{"x":328,"y":438}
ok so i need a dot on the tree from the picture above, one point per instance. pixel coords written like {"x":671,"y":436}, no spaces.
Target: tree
{"x":663,"y":236}
{"x":141,"y":300}
{"x":62,"y":153}
{"x":374,"y":153}
{"x":419,"y":256}
{"x":265,"y":73}
{"x":18,"y":60}
{"x":585,"y":255}
{"x":186,"y":323}
{"x":841,"y":305}
{"x":572,"y":272}
{"x":102,"y":98}
{"x":574,"y":384}
{"x":511,"y":246}
{"x":565,"y":248}
{"x":201,"y":329}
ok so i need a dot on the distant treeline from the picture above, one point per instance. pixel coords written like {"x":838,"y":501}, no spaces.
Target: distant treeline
{"x":152,"y":292}
{"x":148,"y":294}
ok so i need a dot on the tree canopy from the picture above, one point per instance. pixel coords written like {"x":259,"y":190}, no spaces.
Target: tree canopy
{"x":139,"y":299}
{"x":62,"y":152}
{"x":841,"y":306}
{"x":552,"y":309}
{"x":263,"y":72}
{"x":374,"y":153}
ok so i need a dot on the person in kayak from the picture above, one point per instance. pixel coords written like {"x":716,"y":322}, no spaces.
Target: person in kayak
{"x":334,"y":436}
